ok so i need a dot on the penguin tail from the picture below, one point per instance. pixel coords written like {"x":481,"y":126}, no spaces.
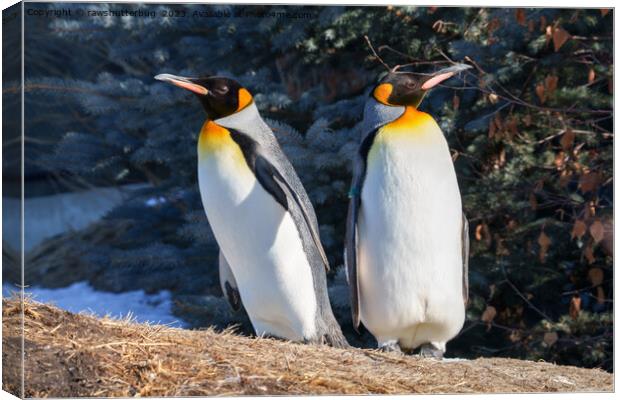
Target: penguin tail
{"x":335,"y":339}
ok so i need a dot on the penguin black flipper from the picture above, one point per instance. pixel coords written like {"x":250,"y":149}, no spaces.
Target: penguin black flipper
{"x":229,"y":284}
{"x":355,"y":200}
{"x":269,"y":178}
{"x":273,"y":182}
{"x":465,"y":250}
{"x":276,"y":184}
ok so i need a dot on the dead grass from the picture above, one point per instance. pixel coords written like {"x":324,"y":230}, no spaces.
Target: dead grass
{"x":69,"y":355}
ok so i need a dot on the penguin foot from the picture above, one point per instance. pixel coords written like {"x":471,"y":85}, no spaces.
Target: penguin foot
{"x":430,"y":351}
{"x":391,"y":346}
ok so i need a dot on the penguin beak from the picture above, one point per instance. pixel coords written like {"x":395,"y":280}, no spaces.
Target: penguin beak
{"x":185,"y":83}
{"x":443,"y":74}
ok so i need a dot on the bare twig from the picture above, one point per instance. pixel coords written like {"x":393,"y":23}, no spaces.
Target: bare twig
{"x":414,"y":61}
{"x":377,"y":55}
{"x":523,"y":297}
{"x":467,"y":58}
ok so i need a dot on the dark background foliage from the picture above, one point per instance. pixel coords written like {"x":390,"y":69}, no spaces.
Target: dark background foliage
{"x":530,"y":128}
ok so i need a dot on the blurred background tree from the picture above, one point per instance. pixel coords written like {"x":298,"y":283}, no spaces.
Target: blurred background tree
{"x":530,"y":128}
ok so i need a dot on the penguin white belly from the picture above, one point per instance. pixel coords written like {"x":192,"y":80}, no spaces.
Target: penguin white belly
{"x":410,"y":261}
{"x":260,"y":242}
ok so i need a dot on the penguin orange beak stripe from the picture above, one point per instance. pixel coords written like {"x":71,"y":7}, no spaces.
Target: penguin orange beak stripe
{"x":182,"y":82}
{"x":443,"y":74}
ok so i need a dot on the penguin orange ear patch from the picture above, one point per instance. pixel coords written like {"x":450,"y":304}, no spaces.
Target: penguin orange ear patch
{"x":382,"y":92}
{"x":245,"y":98}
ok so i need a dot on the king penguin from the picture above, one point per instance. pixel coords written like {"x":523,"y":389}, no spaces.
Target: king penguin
{"x":407,"y":238}
{"x":271,"y":259}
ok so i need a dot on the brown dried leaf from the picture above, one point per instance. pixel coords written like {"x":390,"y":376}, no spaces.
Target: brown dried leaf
{"x":488,"y":315}
{"x":486,"y":235}
{"x":550,"y":338}
{"x":544,"y":242}
{"x":455,"y":155}
{"x":492,"y":129}
{"x":456,"y":102}
{"x":565,"y":177}
{"x":579,"y":229}
{"x":478,"y":233}
{"x":597,"y":231}
{"x":560,"y":36}
{"x":548,"y":34}
{"x":493,"y":25}
{"x":492,"y":288}
{"x":512,"y":126}
{"x":604,"y":11}
{"x":574,"y":279}
{"x":500,"y":249}
{"x":531,"y":25}
{"x":540,"y":92}
{"x":591,"y":75}
{"x":568,"y":138}
{"x":501,"y":158}
{"x":575,"y":307}
{"x":589,"y":181}
{"x":512,"y":224}
{"x":559,"y":160}
{"x":498,"y":121}
{"x":595,"y":275}
{"x":515,"y":336}
{"x":600,"y":295}
{"x":608,"y":242}
{"x":551,"y":83}
{"x":483,"y":233}
{"x":519,"y":310}
{"x":520,"y":16}
{"x":589,"y":254}
{"x":527,"y":120}
{"x":533,"y":201}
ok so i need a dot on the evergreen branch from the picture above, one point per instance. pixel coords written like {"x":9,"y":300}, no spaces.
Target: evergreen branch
{"x":32,"y":87}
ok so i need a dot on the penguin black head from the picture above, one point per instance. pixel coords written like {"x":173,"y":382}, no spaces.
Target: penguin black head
{"x":220,"y":97}
{"x":408,"y":89}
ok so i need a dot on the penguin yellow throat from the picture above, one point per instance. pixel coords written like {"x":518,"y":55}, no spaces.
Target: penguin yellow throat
{"x":215,"y":139}
{"x":412,"y":122}
{"x":413,"y":129}
{"x":411,"y":118}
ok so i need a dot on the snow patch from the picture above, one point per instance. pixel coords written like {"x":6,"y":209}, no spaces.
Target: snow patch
{"x":80,"y":297}
{"x":155,"y":201}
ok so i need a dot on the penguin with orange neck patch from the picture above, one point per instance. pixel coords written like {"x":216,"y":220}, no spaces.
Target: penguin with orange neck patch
{"x":271,"y":257}
{"x":407,"y":239}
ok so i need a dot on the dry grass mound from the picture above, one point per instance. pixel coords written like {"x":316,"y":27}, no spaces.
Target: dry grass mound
{"x":78,"y":355}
